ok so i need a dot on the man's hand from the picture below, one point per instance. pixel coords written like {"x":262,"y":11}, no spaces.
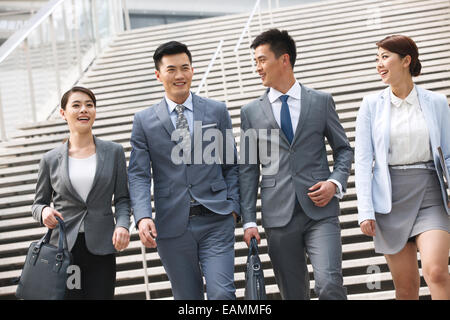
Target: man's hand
{"x":249,"y":233}
{"x":147,"y":232}
{"x":48,"y":217}
{"x":322,"y":193}
{"x":121,"y":238}
{"x":368,"y":227}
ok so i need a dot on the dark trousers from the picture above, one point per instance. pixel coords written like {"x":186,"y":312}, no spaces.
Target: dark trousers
{"x":288,"y":249}
{"x":98,"y":274}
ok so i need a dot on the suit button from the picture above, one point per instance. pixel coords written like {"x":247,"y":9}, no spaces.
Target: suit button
{"x":190,"y":186}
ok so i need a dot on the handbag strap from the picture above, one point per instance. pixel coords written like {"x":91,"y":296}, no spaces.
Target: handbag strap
{"x":62,"y":243}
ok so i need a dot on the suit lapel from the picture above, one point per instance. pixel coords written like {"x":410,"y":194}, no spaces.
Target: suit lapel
{"x":163,"y":116}
{"x":386,"y":119}
{"x":305,"y":106}
{"x":64,"y":167}
{"x":100,"y":160}
{"x":199,"y":109}
{"x":425,"y":103}
{"x":268,"y":112}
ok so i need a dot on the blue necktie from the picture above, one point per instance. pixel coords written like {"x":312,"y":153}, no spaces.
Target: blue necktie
{"x":285,"y":118}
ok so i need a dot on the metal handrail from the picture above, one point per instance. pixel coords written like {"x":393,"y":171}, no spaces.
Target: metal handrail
{"x":247,"y":25}
{"x":18,"y":37}
{"x":47,"y":13}
{"x":211,"y":63}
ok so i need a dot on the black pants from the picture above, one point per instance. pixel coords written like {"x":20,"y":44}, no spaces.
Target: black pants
{"x":98,"y":274}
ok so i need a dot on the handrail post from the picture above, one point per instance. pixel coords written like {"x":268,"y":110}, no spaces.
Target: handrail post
{"x":144,"y":265}
{"x":259,"y":17}
{"x":55,"y":55}
{"x":238,"y":64}
{"x":224,"y":81}
{"x":77,"y":37}
{"x":269,"y":4}
{"x":126,"y":13}
{"x":95,"y":26}
{"x":26,"y":48}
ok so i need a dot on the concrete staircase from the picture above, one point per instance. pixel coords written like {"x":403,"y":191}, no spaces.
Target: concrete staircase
{"x":336,"y":53}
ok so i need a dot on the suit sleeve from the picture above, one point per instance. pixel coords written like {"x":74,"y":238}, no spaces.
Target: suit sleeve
{"x":342,"y":151}
{"x":44,"y":191}
{"x":364,"y":156}
{"x":121,"y":194}
{"x":230,"y":167}
{"x":139,"y":174}
{"x":248,"y":174}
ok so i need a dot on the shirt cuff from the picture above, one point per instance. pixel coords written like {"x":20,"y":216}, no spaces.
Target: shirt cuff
{"x":339,"y":194}
{"x":249,"y":225}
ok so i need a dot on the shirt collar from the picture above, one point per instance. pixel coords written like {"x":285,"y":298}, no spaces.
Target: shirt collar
{"x":293,"y":92}
{"x":188,"y":103}
{"x":411,"y":99}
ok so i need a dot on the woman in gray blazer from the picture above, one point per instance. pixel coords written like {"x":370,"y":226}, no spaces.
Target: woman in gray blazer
{"x":402,"y":201}
{"x":81,"y":177}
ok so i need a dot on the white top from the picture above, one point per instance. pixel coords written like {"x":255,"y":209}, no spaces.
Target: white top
{"x":294,"y":103}
{"x":81,"y":174}
{"x":409,"y":136}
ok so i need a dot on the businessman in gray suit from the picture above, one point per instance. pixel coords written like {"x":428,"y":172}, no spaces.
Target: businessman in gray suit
{"x":196,"y":201}
{"x":300,"y":199}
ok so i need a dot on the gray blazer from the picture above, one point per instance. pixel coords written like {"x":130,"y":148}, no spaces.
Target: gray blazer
{"x":215,"y":186}
{"x":53,"y":184}
{"x":301,"y":165}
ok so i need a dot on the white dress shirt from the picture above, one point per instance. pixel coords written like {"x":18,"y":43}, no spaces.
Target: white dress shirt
{"x":81,"y":174}
{"x":294,"y":103}
{"x":409,"y":136}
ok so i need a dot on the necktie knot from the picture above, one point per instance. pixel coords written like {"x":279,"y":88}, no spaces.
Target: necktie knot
{"x":284,"y":98}
{"x":179,"y":108}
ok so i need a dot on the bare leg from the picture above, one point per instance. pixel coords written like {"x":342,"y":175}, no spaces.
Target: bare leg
{"x":405,"y":272}
{"x":434,"y":247}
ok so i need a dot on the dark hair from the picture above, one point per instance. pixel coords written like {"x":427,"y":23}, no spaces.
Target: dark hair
{"x":280,"y":43}
{"x":66,"y":96}
{"x":170,"y":48}
{"x":403,"y":46}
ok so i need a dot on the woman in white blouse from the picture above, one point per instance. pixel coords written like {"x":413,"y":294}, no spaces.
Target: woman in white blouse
{"x":402,"y":199}
{"x":81,"y":177}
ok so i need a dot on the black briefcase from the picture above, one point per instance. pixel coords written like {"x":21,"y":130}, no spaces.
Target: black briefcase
{"x":44,"y":273}
{"x":254,"y":277}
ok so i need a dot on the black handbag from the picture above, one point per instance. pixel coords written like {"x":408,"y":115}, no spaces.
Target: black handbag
{"x":254,"y":276}
{"x":44,"y":273}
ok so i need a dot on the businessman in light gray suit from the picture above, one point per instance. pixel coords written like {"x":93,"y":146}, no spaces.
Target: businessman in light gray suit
{"x":196,"y":202}
{"x":300,"y":200}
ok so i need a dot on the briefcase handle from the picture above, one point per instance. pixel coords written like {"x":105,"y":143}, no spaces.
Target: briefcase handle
{"x":253,"y":249}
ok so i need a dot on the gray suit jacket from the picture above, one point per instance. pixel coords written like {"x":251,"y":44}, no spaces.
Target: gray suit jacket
{"x":53,"y":184}
{"x":215,"y":186}
{"x":301,"y":165}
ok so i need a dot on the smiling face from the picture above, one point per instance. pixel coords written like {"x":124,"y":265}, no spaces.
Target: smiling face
{"x":175,"y":73}
{"x":392,"y":68}
{"x":79,"y":113}
{"x":269,"y":67}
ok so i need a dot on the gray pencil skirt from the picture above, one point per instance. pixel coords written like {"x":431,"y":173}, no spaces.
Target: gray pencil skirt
{"x":417,"y":206}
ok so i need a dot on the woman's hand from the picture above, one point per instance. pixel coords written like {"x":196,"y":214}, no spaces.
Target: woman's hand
{"x":48,"y":217}
{"x":121,"y":238}
{"x":368,"y":227}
